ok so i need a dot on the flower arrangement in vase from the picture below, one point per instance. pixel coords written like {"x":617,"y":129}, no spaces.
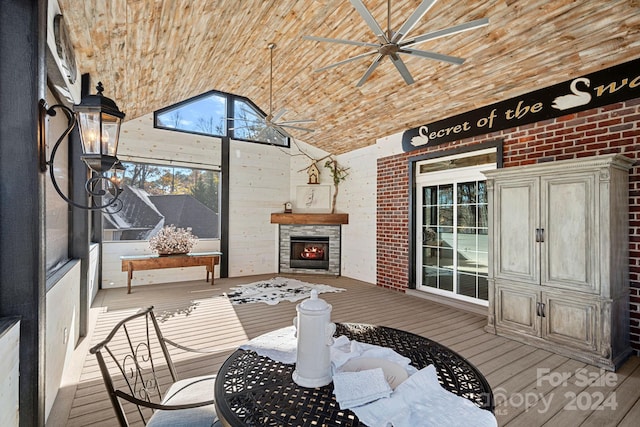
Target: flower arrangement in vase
{"x":172,"y":240}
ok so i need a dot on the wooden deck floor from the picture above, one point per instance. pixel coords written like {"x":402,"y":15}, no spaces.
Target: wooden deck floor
{"x":199,"y":315}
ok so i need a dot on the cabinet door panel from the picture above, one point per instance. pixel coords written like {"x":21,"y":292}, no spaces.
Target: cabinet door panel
{"x":570,"y":320}
{"x":568,"y":212}
{"x":516,"y":218}
{"x":516,"y":309}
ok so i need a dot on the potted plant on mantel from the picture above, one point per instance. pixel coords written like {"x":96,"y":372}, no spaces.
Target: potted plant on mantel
{"x":172,"y":240}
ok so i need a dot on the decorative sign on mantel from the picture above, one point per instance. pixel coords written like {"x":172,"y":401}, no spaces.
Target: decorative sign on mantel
{"x":615,"y":84}
{"x":313,"y":198}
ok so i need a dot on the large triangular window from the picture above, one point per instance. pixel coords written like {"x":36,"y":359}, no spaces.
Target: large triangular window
{"x":221,"y":114}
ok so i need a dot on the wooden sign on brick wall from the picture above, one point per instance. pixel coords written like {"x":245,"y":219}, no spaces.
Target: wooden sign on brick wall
{"x":604,"y":87}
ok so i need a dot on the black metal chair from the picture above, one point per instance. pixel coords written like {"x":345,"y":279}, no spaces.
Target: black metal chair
{"x":136,"y":367}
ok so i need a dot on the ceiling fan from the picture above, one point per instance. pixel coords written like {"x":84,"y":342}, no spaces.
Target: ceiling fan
{"x":392,"y":43}
{"x":272,"y":122}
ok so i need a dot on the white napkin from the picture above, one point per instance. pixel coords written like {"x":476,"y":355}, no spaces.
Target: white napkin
{"x":344,"y":350}
{"x":421,"y":401}
{"x":357,"y":388}
{"x":279,"y":345}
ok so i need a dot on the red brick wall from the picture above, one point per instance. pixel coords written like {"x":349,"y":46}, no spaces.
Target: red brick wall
{"x":611,"y":129}
{"x":393,"y":223}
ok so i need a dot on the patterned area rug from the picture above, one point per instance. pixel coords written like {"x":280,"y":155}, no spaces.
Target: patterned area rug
{"x":274,"y":290}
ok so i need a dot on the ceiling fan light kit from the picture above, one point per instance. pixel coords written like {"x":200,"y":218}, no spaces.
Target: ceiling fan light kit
{"x":392,"y":44}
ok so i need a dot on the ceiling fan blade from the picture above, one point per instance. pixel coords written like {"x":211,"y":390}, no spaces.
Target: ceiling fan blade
{"x":235,"y":118}
{"x":402,"y":68}
{"x":276,"y":129}
{"x":262,"y":132}
{"x":370,"y":70}
{"x":432,"y":55}
{"x":281,"y":112}
{"x":369,"y":19}
{"x":246,"y":120}
{"x":342,"y":41}
{"x":353,"y":58}
{"x":447,"y":32}
{"x":282,"y":125}
{"x":412,"y":20}
{"x":287,"y":122}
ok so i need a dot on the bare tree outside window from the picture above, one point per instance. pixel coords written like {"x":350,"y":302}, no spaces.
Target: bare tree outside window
{"x":173,"y":120}
{"x":210,"y":125}
{"x":204,"y":114}
{"x":158,"y":195}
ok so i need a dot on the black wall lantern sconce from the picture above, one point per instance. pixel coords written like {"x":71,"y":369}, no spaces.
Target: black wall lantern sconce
{"x":98,"y":119}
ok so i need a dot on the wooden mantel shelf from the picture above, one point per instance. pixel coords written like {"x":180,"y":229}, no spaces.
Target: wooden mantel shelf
{"x":309,"y":218}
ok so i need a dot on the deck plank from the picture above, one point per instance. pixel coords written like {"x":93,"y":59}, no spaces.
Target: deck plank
{"x":616,"y":395}
{"x":510,"y":395}
{"x":560,"y":406}
{"x":516,"y":367}
{"x":631,"y":418}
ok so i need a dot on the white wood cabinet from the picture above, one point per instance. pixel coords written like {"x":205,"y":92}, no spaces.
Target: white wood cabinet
{"x":558,"y":267}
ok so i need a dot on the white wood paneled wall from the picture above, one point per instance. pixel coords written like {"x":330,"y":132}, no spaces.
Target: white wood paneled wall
{"x":140,"y":141}
{"x":9,"y":363}
{"x":62,"y":333}
{"x":258,"y":186}
{"x":357,"y":197}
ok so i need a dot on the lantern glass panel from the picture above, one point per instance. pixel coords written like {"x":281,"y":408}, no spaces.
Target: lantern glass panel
{"x":89,"y":123}
{"x":110,"y":132}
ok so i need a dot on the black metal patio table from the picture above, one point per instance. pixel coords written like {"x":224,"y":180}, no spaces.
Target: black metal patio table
{"x":253,"y":390}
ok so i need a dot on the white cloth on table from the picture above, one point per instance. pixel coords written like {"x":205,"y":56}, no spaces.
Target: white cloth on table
{"x":421,"y":401}
{"x":357,"y":388}
{"x":418,"y":401}
{"x":281,"y":346}
{"x":344,"y":350}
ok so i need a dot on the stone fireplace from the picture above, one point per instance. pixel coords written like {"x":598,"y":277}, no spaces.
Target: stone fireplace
{"x":310,"y":243}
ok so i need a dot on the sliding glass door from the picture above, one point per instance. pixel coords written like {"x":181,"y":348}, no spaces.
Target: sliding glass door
{"x":452,"y":235}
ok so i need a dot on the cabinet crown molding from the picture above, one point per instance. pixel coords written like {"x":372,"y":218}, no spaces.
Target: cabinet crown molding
{"x":617,"y":161}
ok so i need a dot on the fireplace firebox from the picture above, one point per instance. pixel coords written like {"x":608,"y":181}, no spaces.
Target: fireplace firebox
{"x":309,"y":252}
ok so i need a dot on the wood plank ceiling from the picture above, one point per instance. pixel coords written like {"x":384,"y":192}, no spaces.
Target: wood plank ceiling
{"x":153,"y":53}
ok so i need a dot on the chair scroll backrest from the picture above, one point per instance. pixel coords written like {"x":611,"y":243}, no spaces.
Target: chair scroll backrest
{"x":136,"y":354}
